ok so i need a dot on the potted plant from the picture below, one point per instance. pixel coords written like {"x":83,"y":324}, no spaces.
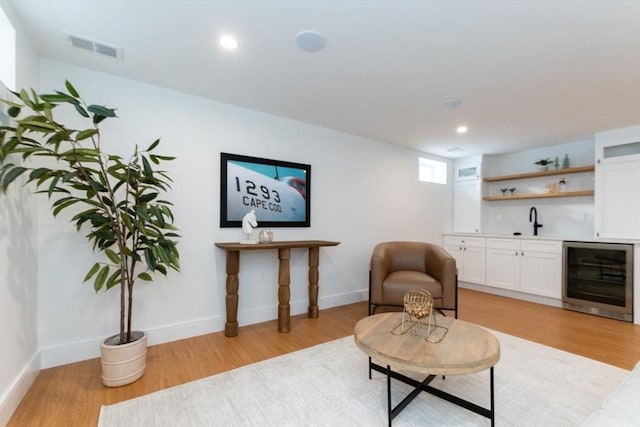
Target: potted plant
{"x":543,"y":164}
{"x":118,"y":202}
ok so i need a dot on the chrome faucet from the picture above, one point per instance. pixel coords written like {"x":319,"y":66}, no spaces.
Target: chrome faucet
{"x":533,"y":216}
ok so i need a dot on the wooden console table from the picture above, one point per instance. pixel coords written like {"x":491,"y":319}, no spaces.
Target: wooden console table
{"x":284,"y":254}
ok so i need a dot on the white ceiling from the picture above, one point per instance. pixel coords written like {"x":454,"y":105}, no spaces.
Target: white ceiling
{"x":529,"y":73}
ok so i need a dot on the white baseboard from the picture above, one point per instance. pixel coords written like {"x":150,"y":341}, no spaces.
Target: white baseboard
{"x":10,"y":399}
{"x":90,"y":349}
{"x":512,"y":294}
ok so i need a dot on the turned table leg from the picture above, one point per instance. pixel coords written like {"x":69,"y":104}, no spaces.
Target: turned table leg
{"x":314,"y":259}
{"x":233,"y":267}
{"x":284,"y":293}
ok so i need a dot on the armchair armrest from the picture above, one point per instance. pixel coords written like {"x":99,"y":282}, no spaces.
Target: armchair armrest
{"x":379,"y":270}
{"x":440,"y":265}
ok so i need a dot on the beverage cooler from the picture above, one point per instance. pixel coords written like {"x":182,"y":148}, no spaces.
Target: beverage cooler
{"x":598,"y":278}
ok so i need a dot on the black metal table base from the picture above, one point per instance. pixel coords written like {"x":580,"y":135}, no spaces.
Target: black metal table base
{"x":424,"y":386}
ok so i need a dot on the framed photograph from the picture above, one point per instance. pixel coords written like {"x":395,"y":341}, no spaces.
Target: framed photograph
{"x":278,"y":191}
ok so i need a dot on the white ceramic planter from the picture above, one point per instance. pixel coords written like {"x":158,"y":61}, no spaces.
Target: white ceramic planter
{"x":124,"y":364}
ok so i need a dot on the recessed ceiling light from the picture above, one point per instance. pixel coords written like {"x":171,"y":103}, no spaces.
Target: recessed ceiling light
{"x":462,"y":129}
{"x":229,"y":42}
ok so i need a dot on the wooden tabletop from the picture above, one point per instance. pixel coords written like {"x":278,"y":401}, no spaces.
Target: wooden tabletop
{"x":237,"y":246}
{"x":466,"y":348}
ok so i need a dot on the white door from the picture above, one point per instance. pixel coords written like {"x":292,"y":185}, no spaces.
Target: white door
{"x":467,"y":200}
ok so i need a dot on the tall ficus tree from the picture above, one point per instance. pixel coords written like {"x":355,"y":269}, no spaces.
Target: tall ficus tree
{"x":117,"y":201}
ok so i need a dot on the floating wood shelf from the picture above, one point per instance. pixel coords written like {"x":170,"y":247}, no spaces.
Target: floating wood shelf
{"x":566,"y":171}
{"x":539,"y":195}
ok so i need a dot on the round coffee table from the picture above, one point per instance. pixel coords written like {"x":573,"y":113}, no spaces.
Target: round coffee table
{"x":467,"y":348}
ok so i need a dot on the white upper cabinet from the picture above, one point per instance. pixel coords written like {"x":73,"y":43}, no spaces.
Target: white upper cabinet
{"x":617,"y":184}
{"x":467,"y":195}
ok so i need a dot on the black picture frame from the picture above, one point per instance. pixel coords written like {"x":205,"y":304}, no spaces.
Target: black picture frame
{"x":278,"y":191}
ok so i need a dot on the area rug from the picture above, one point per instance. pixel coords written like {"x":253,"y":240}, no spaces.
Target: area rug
{"x":328,"y":385}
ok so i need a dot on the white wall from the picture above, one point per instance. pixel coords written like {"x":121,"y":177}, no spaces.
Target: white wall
{"x":570,"y":217}
{"x":19,"y":360}
{"x":363,"y":192}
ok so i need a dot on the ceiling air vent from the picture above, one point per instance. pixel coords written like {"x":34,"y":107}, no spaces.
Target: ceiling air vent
{"x":95,"y":46}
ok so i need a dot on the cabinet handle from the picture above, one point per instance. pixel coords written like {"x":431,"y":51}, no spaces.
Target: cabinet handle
{"x":522,"y":253}
{"x":516,"y":253}
{"x":465,"y":249}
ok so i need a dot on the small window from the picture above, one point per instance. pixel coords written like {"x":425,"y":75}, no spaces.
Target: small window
{"x":432,"y":171}
{"x":7,"y":52}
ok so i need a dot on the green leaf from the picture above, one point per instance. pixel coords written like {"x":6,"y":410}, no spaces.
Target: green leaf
{"x":36,"y":125}
{"x":99,"y":110}
{"x":100,"y":278}
{"x":57,"y":98}
{"x":113,"y":257}
{"x":13,"y":111}
{"x":81,"y":110}
{"x":150,"y":259}
{"x":114,"y":279}
{"x":154,"y":145}
{"x":148,"y":170}
{"x":64,"y":205}
{"x":91,"y":272}
{"x":71,"y":89}
{"x":147,"y":197}
{"x":145,"y":276}
{"x":10,"y":176}
{"x":87,"y":133}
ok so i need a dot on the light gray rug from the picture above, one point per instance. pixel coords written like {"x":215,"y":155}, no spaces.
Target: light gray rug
{"x":328,"y":385}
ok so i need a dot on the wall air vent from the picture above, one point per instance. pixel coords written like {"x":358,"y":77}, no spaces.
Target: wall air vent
{"x":95,"y":46}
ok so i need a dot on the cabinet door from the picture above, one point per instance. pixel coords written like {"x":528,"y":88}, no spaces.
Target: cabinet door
{"x":474,"y":265}
{"x":467,"y":200}
{"x":456,"y":251}
{"x":503,"y":268}
{"x":617,"y":200}
{"x":541,"y":274}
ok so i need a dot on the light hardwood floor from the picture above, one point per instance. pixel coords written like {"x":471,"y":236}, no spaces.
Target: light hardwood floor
{"x":72,"y":395}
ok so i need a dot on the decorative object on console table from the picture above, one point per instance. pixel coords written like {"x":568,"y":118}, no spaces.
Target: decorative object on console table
{"x":248,"y":224}
{"x":117,"y":201}
{"x":566,"y":163}
{"x":265,"y":236}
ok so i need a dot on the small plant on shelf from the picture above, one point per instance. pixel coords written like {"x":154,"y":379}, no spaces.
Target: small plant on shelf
{"x":544,"y":163}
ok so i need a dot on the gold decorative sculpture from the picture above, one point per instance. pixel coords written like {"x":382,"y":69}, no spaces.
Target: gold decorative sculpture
{"x":418,"y":317}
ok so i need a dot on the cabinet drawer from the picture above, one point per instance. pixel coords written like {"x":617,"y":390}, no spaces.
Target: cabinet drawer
{"x":547,"y":246}
{"x":470,"y":242}
{"x":513,"y":244}
{"x":474,"y":242}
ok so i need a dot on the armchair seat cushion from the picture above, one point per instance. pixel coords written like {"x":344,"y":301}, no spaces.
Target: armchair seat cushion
{"x":398,"y":283}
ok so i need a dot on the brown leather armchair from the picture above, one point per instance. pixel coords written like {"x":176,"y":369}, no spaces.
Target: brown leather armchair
{"x":397,"y":267}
